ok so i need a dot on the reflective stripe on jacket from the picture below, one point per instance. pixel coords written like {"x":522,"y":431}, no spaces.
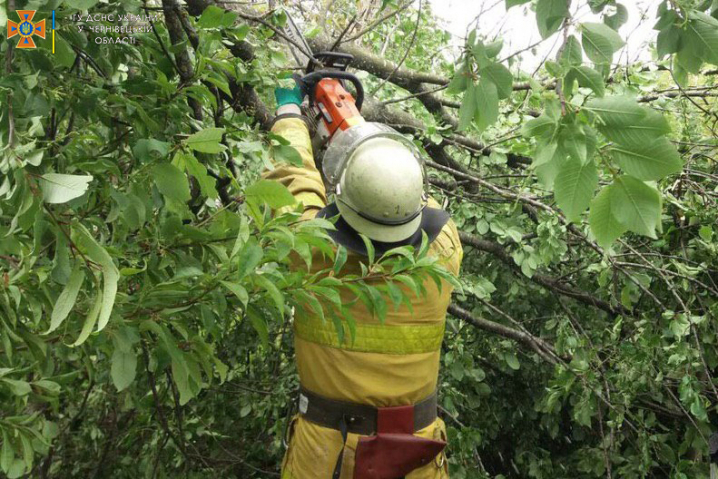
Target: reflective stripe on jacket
{"x":390,"y":364}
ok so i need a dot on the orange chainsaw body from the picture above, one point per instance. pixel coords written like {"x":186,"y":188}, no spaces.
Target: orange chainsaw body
{"x":336,"y":105}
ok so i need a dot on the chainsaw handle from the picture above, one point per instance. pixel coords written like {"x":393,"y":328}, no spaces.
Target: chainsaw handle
{"x":308,"y":82}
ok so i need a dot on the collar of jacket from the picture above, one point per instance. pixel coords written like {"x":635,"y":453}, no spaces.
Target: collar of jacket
{"x":432,"y":221}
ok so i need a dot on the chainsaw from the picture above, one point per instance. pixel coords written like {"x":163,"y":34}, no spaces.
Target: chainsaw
{"x":339,"y":128}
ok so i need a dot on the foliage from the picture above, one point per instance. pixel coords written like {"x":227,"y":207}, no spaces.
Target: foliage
{"x":148,"y":277}
{"x":125,"y":280}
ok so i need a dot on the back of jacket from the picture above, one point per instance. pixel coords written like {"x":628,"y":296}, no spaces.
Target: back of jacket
{"x":390,"y":364}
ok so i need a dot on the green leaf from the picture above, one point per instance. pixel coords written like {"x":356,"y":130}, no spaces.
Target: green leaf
{"x":238,"y":290}
{"x":688,"y":55}
{"x":171,"y":182}
{"x":27,"y":451}
{"x":681,"y":75}
{"x":513,"y":3}
{"x":547,"y":162}
{"x":574,"y":187}
{"x":64,"y":54}
{"x":17,"y":469}
{"x":600,"y":42}
{"x":501,"y":78}
{"x":242,"y":236}
{"x":654,"y":160}
{"x":604,"y":225}
{"x":378,"y":302}
{"x":66,"y":301}
{"x":369,"y":248}
{"x":468,"y":107}
{"x":259,"y":324}
{"x":637,"y":205}
{"x":109,"y":291}
{"x":180,"y":374}
{"x":50,"y":387}
{"x":704,"y":29}
{"x":668,"y":41}
{"x":90,"y":320}
{"x":571,"y":54}
{"x":550,"y":14}
{"x":18,"y":388}
{"x":57,"y":188}
{"x":143,"y":148}
{"x":666,"y":18}
{"x":207,"y":140}
{"x":644,"y":131}
{"x":395,"y":293}
{"x":459,"y":81}
{"x":312,"y":302}
{"x":124,"y":368}
{"x":110,"y":274}
{"x":211,"y":17}
{"x":124,"y":337}
{"x":543,"y":126}
{"x":287,"y":153}
{"x":618,"y":19}
{"x":699,"y":410}
{"x":494,"y":48}
{"x":273,"y":193}
{"x":249,"y":258}
{"x":7,"y":455}
{"x":478,"y":50}
{"x":272,"y":290}
{"x":340,"y":259}
{"x":617,"y":111}
{"x":487,"y":104}
{"x":587,"y":77}
{"x":512,"y":361}
{"x":207,"y":184}
{"x":574,"y":142}
{"x":706,"y":233}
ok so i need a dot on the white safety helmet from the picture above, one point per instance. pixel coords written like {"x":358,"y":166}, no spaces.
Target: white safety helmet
{"x":378,"y":182}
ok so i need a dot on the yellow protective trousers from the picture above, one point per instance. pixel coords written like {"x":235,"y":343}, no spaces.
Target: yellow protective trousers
{"x":391,"y":364}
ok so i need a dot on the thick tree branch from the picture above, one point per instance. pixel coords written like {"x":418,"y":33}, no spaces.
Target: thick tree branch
{"x":549,"y":282}
{"x":182,"y":60}
{"x":525,"y":339}
{"x":367,"y":61}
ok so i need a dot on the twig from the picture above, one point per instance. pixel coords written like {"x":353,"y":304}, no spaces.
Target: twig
{"x":280,"y":34}
{"x":160,"y":413}
{"x":344,"y":32}
{"x":415,"y":95}
{"x":162,"y":44}
{"x":686,"y":413}
{"x":520,"y":337}
{"x":519,"y":52}
{"x":379,"y":21}
{"x":406,"y":53}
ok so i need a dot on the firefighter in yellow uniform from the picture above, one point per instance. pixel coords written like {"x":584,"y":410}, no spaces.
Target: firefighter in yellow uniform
{"x":367,"y":408}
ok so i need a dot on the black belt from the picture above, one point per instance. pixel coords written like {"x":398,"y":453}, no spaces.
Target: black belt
{"x":358,"y":418}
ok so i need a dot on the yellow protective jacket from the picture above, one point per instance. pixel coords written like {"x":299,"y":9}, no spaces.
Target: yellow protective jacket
{"x":390,"y":364}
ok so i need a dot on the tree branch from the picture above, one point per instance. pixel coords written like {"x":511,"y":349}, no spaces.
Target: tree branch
{"x":548,"y":282}
{"x":527,"y":340}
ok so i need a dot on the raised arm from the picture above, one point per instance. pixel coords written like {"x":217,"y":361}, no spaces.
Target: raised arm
{"x":304,"y":182}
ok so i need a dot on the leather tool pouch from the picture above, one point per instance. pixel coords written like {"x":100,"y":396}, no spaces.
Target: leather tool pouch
{"x":394,"y":451}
